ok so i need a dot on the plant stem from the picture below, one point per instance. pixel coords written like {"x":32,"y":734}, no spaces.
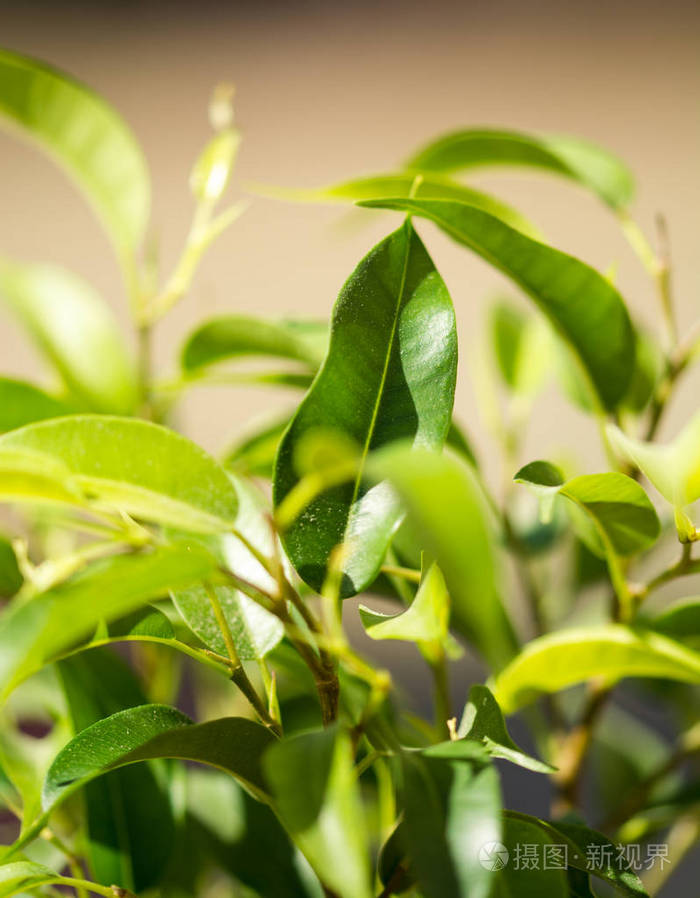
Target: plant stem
{"x":407,"y":573}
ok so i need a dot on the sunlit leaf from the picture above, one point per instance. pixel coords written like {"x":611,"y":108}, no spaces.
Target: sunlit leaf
{"x":608,"y":651}
{"x":589,"y":165}
{"x":22,"y":403}
{"x":389,"y":374}
{"x":582,"y":305}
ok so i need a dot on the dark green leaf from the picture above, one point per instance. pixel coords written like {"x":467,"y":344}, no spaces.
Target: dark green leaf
{"x":571,"y":157}
{"x":389,"y":374}
{"x":86,"y":136}
{"x":10,"y":574}
{"x":482,"y":721}
{"x":22,"y":403}
{"x":513,"y":874}
{"x":581,"y":304}
{"x":681,"y":620}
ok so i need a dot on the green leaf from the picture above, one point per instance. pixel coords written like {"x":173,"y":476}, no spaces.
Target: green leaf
{"x":681,"y":621}
{"x":450,"y":518}
{"x":23,"y":876}
{"x":135,"y":466}
{"x":22,"y":403}
{"x":74,"y":330}
{"x":515,"y":878}
{"x":482,"y":722}
{"x":237,"y":336}
{"x":522,"y":348}
{"x":255,"y":631}
{"x":148,"y":732}
{"x":610,"y":652}
{"x":253,"y":454}
{"x":36,"y":631}
{"x":10,"y":575}
{"x":625,"y":521}
{"x":130,"y":825}
{"x":87,"y":137}
{"x":571,"y":157}
{"x":389,"y":374}
{"x":406,"y":184}
{"x":451,"y":807}
{"x":584,"y":307}
{"x":316,"y":796}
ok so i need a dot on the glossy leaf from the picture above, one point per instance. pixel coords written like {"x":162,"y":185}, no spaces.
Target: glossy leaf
{"x":427,"y":186}
{"x":610,"y":652}
{"x":450,"y":518}
{"x":238,"y":336}
{"x":624,"y":519}
{"x":130,"y":825}
{"x":584,"y":307}
{"x":86,"y":136}
{"x":137,"y":467}
{"x":36,"y":631}
{"x":389,"y":374}
{"x":451,"y":808}
{"x":324,"y":817}
{"x":22,"y":403}
{"x":255,"y":631}
{"x":482,"y":722}
{"x":148,"y":732}
{"x":74,"y":330}
{"x":589,"y":165}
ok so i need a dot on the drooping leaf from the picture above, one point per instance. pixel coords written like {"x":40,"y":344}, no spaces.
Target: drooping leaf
{"x":74,"y":330}
{"x":389,"y":374}
{"x":583,"y":162}
{"x":427,"y":186}
{"x":22,"y":403}
{"x":129,"y":818}
{"x":451,"y":808}
{"x":238,"y":336}
{"x":609,"y":651}
{"x":36,"y":631}
{"x":135,"y":466}
{"x":482,"y":722}
{"x":623,"y":517}
{"x":584,"y":307}
{"x":324,"y":816}
{"x":87,"y":137}
{"x":450,"y":519}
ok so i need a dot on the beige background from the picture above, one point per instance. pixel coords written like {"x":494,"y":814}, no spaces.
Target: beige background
{"x":328,"y":92}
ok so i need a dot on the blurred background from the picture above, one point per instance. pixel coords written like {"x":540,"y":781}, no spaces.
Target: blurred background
{"x":325,"y":92}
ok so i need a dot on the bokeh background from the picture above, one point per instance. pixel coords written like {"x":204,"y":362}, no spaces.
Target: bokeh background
{"x":326,"y":92}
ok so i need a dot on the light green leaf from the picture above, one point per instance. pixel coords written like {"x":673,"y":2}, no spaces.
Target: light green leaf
{"x":317,"y":798}
{"x":571,"y":157}
{"x":36,"y":631}
{"x":87,"y":137}
{"x":237,"y":336}
{"x":22,"y":403}
{"x":584,"y":307}
{"x":609,"y":652}
{"x":253,"y":454}
{"x":389,"y":374}
{"x":404,"y":185}
{"x":74,"y":330}
{"x":36,"y":477}
{"x":625,"y":521}
{"x":482,"y":722}
{"x":23,"y":876}
{"x":135,"y":466}
{"x":451,"y":808}
{"x":522,"y":347}
{"x":449,"y":515}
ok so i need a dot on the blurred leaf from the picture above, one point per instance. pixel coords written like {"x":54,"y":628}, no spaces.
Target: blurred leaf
{"x":10,"y":576}
{"x":389,"y":374}
{"x":87,"y":137}
{"x":253,"y":455}
{"x":404,"y":185}
{"x":36,"y":477}
{"x":237,"y":336}
{"x":21,"y":876}
{"x":130,"y":825}
{"x":450,"y":517}
{"x":584,"y":308}
{"x":681,"y":621}
{"x":22,"y":403}
{"x":608,"y":651}
{"x":459,"y":442}
{"x":135,"y":466}
{"x":571,"y":157}
{"x":482,"y":722}
{"x":450,"y":809}
{"x":521,"y":345}
{"x":317,"y":798}
{"x":648,"y":369}
{"x":255,"y":631}
{"x":511,"y":874}
{"x":74,"y":330}
{"x":149,"y":621}
{"x":36,"y":631}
